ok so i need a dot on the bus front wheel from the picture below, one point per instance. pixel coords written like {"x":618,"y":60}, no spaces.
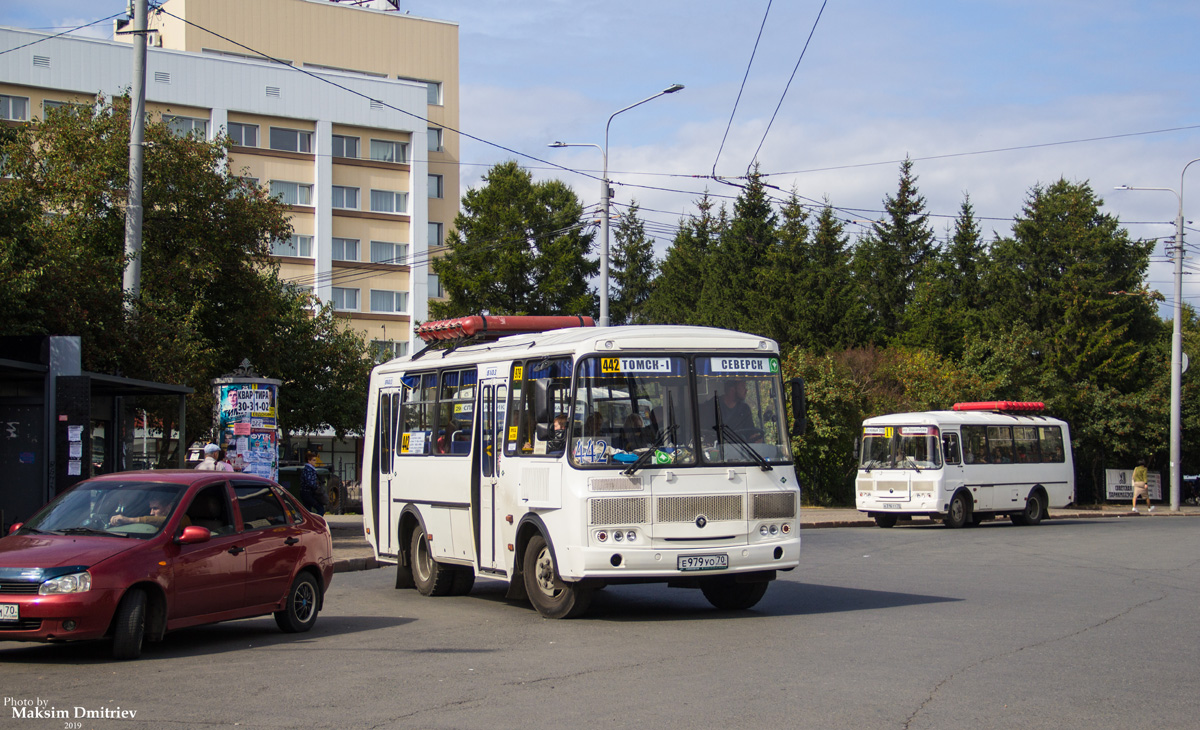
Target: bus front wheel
{"x":960,"y":512}
{"x":729,"y":595}
{"x":551,"y":595}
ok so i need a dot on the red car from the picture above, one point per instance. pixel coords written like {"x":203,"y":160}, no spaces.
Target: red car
{"x":134,"y":555}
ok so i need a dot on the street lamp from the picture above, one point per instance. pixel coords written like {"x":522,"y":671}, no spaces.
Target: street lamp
{"x":606,"y":196}
{"x":1176,"y":341}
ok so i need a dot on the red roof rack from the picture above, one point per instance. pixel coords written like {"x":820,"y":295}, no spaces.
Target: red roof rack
{"x":1006,"y":406}
{"x":488,"y":327}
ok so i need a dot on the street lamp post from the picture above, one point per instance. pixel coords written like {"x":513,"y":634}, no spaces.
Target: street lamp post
{"x":1176,"y":342}
{"x":606,"y":196}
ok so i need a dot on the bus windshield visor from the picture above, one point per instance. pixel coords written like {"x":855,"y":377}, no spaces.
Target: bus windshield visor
{"x":900,"y":447}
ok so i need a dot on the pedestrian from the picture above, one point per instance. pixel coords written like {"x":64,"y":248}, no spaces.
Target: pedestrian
{"x":1140,"y":487}
{"x":310,"y":487}
{"x":210,"y":458}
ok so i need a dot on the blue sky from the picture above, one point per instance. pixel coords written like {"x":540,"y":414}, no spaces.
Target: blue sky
{"x":879,"y":81}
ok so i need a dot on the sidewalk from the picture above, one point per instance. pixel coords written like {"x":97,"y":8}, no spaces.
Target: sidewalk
{"x":351,"y":551}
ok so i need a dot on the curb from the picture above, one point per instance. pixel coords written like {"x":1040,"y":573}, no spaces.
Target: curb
{"x":346,"y":565}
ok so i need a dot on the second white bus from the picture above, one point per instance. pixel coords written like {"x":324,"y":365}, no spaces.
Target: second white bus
{"x":965,"y":465}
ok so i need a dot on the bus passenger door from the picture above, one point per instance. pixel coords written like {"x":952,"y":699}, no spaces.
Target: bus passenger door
{"x":491,"y":437}
{"x":387,"y":428}
{"x":952,"y":458}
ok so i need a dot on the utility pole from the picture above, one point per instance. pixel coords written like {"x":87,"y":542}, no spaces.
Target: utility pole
{"x":137,"y":135}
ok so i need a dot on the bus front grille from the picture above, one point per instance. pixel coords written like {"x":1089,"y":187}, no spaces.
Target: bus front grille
{"x":620,"y":511}
{"x":687,"y":509}
{"x":772,"y":505}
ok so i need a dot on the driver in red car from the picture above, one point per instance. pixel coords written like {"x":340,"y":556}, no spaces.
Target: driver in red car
{"x":160,"y":509}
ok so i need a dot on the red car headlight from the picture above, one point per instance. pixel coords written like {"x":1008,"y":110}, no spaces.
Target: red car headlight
{"x":72,"y":583}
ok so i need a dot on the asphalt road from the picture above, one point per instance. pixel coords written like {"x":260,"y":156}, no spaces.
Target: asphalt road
{"x":1072,"y":624}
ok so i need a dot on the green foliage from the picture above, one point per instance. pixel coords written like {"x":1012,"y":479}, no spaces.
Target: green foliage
{"x":891,"y":259}
{"x":675,"y":294}
{"x":210,"y":295}
{"x":518,"y":247}
{"x":733,"y":265}
{"x":631,"y":271}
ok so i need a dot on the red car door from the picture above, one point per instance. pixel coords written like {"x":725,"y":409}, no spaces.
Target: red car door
{"x":273,"y":544}
{"x":210,"y":577}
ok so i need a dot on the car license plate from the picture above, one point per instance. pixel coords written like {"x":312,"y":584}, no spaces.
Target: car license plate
{"x":10,"y":612}
{"x":703,"y":562}
{"x":890,"y":506}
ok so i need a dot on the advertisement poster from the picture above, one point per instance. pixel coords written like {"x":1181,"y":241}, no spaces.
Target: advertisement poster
{"x":1120,"y":485}
{"x":247,"y":423}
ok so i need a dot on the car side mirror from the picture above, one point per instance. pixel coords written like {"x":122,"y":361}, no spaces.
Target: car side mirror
{"x":16,"y":526}
{"x":193,"y":534}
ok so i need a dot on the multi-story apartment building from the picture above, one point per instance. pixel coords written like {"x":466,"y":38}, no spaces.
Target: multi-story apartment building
{"x":347,"y":111}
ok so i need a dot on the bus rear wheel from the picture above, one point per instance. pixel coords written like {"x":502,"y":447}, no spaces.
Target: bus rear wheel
{"x":885,"y":520}
{"x":729,"y":595}
{"x":551,"y":595}
{"x":959,"y":514}
{"x":1035,"y":510}
{"x":430,"y":577}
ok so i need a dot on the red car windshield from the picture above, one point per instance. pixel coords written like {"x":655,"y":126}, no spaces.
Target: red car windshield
{"x":125,"y":509}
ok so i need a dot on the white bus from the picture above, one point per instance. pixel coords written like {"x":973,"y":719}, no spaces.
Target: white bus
{"x":966,"y":465}
{"x":565,"y":460}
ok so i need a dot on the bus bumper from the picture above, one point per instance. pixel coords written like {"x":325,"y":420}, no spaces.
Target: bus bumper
{"x":627,"y":561}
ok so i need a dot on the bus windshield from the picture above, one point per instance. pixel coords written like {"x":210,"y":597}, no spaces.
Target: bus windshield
{"x":627,"y":406}
{"x":900,"y":447}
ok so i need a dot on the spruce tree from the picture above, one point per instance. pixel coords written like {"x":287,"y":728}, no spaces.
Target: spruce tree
{"x":733,"y":270}
{"x":675,"y":295}
{"x":631,"y":271}
{"x":891,"y":258}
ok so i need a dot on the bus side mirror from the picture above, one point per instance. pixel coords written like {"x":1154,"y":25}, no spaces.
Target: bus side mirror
{"x":799,"y":406}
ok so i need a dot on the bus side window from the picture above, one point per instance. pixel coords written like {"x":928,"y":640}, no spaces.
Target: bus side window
{"x":512,"y":436}
{"x":950,"y":451}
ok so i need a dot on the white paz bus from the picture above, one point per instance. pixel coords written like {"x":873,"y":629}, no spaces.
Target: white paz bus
{"x":966,"y":465}
{"x":566,"y":459}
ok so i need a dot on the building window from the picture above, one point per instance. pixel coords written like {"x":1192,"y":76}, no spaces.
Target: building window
{"x":292,"y":193}
{"x":186,"y":126}
{"x":392,"y":302}
{"x":435,"y":186}
{"x":387,"y":201}
{"x":243,"y":135}
{"x":388,"y":151}
{"x":344,"y":197}
{"x":434,"y":92}
{"x":294,"y":246}
{"x":15,"y":108}
{"x":385,"y":350}
{"x":344,"y":146}
{"x":383,"y":252}
{"x":435,"y":287}
{"x":291,"y":140}
{"x":73,"y":107}
{"x":345,"y":300}
{"x":435,"y":139}
{"x":345,"y":249}
{"x":436,"y":235}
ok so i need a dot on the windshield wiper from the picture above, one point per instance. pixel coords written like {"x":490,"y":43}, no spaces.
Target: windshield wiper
{"x":736,"y":438}
{"x":90,"y":531}
{"x":668,"y":432}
